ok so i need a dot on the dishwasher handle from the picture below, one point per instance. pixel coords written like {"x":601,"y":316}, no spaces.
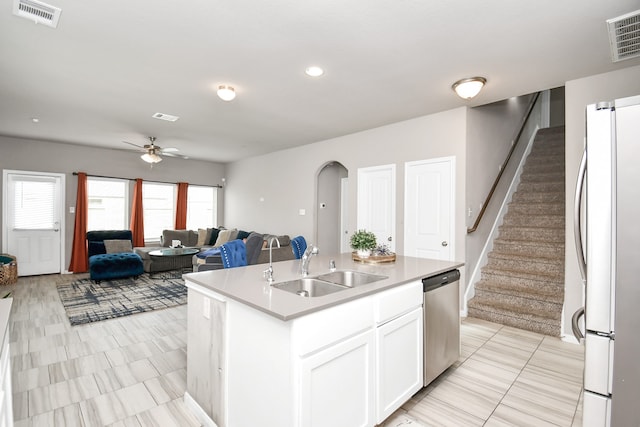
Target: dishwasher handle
{"x":434,"y":282}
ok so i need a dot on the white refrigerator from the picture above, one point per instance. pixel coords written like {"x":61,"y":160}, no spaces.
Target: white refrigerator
{"x":609,"y":181}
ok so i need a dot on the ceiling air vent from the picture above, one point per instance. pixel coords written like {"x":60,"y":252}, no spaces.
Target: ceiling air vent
{"x":40,"y":13}
{"x":624,"y":36}
{"x":167,"y":117}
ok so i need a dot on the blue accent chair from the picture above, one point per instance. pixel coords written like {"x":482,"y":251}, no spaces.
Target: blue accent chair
{"x":104,"y":266}
{"x":298,"y":246}
{"x":234,"y":254}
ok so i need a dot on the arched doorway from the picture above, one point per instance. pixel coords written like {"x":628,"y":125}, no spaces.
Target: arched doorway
{"x":331,"y":208}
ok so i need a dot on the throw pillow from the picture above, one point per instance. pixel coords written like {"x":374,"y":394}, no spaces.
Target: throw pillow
{"x":214,"y":236}
{"x":202,"y":237}
{"x":224,"y":236}
{"x":117,"y":246}
{"x":242,"y":234}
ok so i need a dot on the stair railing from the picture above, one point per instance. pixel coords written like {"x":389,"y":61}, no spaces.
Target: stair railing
{"x":504,"y":164}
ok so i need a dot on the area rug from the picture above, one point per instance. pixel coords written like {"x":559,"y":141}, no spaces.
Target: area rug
{"x":85,"y":301}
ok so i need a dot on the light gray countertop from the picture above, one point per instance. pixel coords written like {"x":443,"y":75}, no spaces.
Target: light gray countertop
{"x":247,"y":285}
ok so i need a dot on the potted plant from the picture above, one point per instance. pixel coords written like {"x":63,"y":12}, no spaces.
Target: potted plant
{"x":363,"y":241}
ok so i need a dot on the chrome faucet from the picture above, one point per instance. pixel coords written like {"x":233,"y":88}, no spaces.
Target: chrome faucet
{"x":306,"y":258}
{"x":268,"y":273}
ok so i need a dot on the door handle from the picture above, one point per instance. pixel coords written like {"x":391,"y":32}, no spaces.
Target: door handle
{"x":574,"y":323}
{"x":577,"y":228}
{"x":444,"y":243}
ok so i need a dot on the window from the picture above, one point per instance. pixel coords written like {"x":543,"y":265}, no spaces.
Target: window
{"x":202,"y":206}
{"x":159,"y":203}
{"x":34,"y":200}
{"x":108,"y":204}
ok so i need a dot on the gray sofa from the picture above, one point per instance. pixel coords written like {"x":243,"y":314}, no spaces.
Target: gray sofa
{"x":189,"y":238}
{"x":257,"y":256}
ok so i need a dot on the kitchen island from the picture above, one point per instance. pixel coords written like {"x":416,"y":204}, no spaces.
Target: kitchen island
{"x":259,"y":355}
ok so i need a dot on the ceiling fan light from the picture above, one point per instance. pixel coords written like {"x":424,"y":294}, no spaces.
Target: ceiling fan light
{"x":226,"y":92}
{"x":469,"y":88}
{"x":151,"y":158}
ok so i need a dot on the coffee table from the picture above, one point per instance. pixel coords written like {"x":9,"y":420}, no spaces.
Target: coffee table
{"x":174,"y":257}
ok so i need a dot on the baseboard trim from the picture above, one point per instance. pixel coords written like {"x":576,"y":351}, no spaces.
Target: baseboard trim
{"x":197,"y":411}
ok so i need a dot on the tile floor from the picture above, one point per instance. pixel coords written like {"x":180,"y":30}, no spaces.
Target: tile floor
{"x":131,"y":371}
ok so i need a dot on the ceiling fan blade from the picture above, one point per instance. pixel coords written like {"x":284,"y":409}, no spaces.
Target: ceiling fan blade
{"x":135,"y":145}
{"x":169,"y":154}
{"x":170,"y":150}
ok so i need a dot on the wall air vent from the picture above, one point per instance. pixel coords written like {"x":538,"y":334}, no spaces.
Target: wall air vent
{"x":40,"y":13}
{"x":624,"y":36}
{"x":167,"y":117}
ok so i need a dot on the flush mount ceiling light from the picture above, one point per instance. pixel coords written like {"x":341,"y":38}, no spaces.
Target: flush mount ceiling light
{"x":468,"y":88}
{"x":226,"y":92}
{"x":314,"y":71}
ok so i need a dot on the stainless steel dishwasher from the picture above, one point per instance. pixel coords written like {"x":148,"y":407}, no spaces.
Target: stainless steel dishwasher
{"x":441,"y":323}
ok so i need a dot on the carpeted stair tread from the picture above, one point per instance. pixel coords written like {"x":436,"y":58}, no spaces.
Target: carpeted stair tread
{"x":517,"y":320}
{"x":529,"y":248}
{"x":537,"y":308}
{"x":522,"y":284}
{"x":536,"y":234}
{"x":549,"y":291}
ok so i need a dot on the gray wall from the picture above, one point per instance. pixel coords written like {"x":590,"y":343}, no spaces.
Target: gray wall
{"x":265,"y":193}
{"x":578,"y":94}
{"x":328,"y":204}
{"x":44,"y":156}
{"x":491,"y":128}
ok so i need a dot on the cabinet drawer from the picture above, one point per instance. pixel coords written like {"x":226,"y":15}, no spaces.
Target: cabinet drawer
{"x":318,"y":330}
{"x":395,"y":302}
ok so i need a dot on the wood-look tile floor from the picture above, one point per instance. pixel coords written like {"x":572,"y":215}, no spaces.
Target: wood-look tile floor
{"x":131,"y":371}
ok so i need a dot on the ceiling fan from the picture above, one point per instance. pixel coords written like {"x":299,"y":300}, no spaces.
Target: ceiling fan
{"x":152,"y":151}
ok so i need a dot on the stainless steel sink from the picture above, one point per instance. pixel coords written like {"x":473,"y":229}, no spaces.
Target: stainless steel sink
{"x":350,"y":278}
{"x":309,"y":287}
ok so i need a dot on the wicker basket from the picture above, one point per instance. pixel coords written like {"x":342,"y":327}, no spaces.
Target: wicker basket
{"x":8,"y":271}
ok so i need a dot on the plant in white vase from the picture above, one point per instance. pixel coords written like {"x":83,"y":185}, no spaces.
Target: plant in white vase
{"x":363,"y":241}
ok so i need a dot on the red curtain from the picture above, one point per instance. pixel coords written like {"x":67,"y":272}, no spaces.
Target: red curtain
{"x":137,"y":216}
{"x":181,"y":206}
{"x":79,"y":261}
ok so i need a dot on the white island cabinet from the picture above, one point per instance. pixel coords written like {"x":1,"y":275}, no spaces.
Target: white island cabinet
{"x":259,"y":356}
{"x":6,"y":408}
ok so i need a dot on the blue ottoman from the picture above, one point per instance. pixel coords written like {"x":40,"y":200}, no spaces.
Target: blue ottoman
{"x":114,"y":266}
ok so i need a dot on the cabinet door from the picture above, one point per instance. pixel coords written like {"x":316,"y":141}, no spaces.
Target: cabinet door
{"x":206,"y":354}
{"x":337,"y":384}
{"x":399,"y":362}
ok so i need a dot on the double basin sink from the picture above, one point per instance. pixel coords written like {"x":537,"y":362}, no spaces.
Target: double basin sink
{"x":328,"y":283}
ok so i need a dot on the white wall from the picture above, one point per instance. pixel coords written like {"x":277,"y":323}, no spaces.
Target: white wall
{"x":578,"y":94}
{"x":45,"y":156}
{"x":265,"y":193}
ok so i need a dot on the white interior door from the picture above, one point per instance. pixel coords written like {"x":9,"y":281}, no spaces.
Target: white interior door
{"x":377,"y":202}
{"x":429,"y":208}
{"x":32,"y":221}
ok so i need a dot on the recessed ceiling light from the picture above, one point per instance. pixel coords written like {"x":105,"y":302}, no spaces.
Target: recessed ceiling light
{"x":35,"y":120}
{"x":314,"y":71}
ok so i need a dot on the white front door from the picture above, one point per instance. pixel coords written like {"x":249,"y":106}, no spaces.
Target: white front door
{"x":429,"y":208}
{"x":377,"y":203}
{"x":32,"y":221}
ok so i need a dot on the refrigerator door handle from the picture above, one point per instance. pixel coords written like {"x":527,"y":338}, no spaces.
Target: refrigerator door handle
{"x":574,"y":324}
{"x":577,"y":226}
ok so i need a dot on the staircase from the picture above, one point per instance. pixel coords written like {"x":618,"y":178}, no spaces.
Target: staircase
{"x":522,"y":284}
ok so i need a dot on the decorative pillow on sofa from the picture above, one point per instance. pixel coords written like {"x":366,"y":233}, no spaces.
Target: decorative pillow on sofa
{"x":214,"y":236}
{"x":203,"y":236}
{"x":117,"y":246}
{"x":243,"y":234}
{"x":225,"y":236}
